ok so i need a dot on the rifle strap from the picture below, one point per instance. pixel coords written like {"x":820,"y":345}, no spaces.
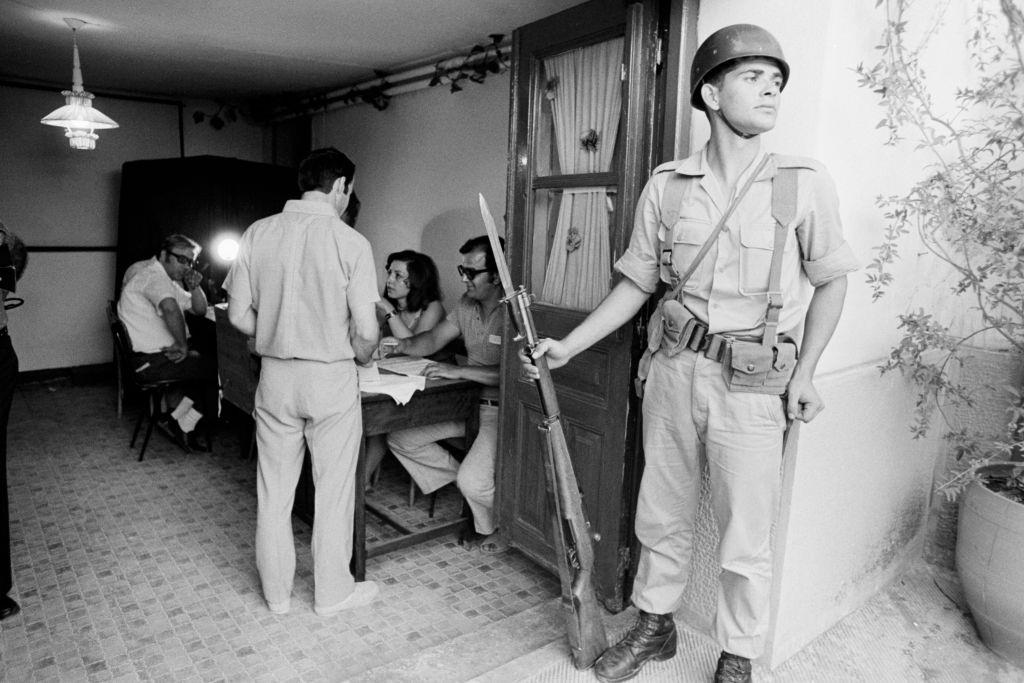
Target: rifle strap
{"x":666,"y":245}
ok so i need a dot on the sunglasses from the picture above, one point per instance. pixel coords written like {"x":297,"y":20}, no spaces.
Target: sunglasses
{"x":470,"y":273}
{"x":184,"y":260}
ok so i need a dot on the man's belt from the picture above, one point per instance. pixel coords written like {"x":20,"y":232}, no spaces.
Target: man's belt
{"x":489,"y":402}
{"x":694,"y":336}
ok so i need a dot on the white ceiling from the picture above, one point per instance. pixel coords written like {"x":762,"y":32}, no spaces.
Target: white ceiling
{"x":236,"y":50}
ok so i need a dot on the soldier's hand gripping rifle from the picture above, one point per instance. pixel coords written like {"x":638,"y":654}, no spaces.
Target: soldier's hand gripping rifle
{"x":573,"y":538}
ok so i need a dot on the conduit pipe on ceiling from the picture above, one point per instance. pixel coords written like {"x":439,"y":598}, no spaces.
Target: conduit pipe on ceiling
{"x":400,"y":83}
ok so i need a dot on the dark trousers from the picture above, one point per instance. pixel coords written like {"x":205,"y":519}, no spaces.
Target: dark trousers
{"x":8,"y":376}
{"x":197,"y":369}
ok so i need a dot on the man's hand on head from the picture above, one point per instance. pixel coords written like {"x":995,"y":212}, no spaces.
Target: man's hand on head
{"x":191,"y":280}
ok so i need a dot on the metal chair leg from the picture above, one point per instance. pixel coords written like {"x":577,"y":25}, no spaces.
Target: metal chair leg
{"x":145,"y":440}
{"x":150,"y":410}
{"x":138,"y":423}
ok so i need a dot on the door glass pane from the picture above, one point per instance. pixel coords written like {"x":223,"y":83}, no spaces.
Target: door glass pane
{"x":580,"y":104}
{"x":571,"y":242}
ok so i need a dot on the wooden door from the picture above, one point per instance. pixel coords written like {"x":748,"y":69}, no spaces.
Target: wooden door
{"x":583,"y":111}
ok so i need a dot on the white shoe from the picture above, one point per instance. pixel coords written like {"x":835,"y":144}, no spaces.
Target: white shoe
{"x":364,"y":593}
{"x":280,"y":607}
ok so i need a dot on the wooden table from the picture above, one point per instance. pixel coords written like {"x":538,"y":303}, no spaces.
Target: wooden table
{"x":441,"y":401}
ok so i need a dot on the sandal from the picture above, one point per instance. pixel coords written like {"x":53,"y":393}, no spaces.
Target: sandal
{"x":493,"y":545}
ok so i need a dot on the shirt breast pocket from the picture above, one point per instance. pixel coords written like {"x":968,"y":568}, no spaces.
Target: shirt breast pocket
{"x":687,"y":237}
{"x":756,"y":242}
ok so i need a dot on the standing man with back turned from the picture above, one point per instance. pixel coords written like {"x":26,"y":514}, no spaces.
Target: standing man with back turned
{"x":715,"y":367}
{"x":305,"y":286}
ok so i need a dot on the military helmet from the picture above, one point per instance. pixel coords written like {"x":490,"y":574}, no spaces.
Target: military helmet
{"x":733,"y":42}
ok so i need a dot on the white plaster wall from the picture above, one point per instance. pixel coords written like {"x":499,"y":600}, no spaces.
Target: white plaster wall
{"x":857,"y":492}
{"x":58,"y":197}
{"x":420,"y":164}
{"x":855,"y":505}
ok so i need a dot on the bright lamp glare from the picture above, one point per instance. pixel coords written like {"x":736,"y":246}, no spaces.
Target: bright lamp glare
{"x":227,"y":248}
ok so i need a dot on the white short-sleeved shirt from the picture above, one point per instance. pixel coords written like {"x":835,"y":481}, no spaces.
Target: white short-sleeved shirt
{"x":728,"y":290}
{"x":144,"y":286}
{"x":301,"y":270}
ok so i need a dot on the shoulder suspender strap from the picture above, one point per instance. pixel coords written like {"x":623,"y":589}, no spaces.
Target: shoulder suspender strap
{"x":784,"y":187}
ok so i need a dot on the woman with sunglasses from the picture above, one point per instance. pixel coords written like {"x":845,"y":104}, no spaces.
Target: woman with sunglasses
{"x":410,"y":304}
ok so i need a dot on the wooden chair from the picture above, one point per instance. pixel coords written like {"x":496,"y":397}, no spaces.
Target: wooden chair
{"x":151,"y":392}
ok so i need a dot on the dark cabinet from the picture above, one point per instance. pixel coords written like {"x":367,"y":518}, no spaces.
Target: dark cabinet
{"x":204,"y":197}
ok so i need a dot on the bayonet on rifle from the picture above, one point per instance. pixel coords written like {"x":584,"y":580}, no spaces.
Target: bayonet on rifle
{"x":573,"y":538}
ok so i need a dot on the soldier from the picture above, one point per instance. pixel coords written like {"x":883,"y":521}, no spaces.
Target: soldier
{"x":740,"y":236}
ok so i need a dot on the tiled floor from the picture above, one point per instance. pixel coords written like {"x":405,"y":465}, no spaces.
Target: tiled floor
{"x":145,"y":571}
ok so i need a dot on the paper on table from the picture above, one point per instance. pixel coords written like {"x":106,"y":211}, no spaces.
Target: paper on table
{"x":404,"y":365}
{"x":399,"y":387}
{"x":367,"y":373}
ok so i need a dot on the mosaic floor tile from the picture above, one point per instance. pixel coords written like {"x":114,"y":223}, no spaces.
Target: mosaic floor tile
{"x":130,"y":571}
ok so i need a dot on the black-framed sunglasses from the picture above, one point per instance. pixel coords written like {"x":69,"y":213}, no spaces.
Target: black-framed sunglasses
{"x":470,"y":273}
{"x":184,"y":260}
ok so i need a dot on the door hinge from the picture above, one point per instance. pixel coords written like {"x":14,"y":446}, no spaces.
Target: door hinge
{"x":657,"y":60}
{"x":622,"y":72}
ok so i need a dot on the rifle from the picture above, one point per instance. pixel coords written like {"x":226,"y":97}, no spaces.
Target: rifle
{"x":574,"y":551}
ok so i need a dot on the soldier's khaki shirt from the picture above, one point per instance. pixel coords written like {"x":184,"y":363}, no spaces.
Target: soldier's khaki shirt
{"x":728,"y":290}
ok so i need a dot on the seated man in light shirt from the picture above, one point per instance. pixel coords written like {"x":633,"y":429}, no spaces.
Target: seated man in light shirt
{"x":478,"y":319}
{"x":154,"y":295}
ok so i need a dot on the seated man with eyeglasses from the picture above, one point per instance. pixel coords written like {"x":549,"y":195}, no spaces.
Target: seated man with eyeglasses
{"x":478,"y":319}
{"x":154,"y":295}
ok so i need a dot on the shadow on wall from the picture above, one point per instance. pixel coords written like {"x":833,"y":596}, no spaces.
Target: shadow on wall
{"x":441,"y":239}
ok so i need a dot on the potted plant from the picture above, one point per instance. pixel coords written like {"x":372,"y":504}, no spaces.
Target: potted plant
{"x":967,"y":211}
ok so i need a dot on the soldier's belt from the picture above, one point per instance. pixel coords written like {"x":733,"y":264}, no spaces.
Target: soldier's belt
{"x":695,"y":337}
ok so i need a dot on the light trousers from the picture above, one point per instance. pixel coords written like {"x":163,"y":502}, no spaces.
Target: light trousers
{"x":432,"y":466}
{"x":298,"y":404}
{"x":688,"y":412}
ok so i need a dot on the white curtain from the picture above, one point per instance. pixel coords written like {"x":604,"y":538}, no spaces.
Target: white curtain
{"x":586,"y":99}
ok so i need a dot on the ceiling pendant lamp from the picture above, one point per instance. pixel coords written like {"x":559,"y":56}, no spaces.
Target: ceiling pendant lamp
{"x":78,"y":118}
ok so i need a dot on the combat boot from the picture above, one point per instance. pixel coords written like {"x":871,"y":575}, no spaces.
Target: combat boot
{"x":732,"y":669}
{"x":652,"y":637}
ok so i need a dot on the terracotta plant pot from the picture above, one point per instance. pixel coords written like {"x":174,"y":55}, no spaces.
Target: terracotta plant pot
{"x":990,"y":561}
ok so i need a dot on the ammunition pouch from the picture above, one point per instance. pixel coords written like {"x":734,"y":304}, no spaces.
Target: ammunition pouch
{"x":753,"y":367}
{"x":747,"y":365}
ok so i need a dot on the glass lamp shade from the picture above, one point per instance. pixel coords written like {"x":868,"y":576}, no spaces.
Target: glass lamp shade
{"x":79,"y":119}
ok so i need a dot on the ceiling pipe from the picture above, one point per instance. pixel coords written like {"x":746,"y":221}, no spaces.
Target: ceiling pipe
{"x":399,"y":83}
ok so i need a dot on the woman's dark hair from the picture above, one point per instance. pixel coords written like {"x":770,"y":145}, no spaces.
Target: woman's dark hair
{"x":424,"y":283}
